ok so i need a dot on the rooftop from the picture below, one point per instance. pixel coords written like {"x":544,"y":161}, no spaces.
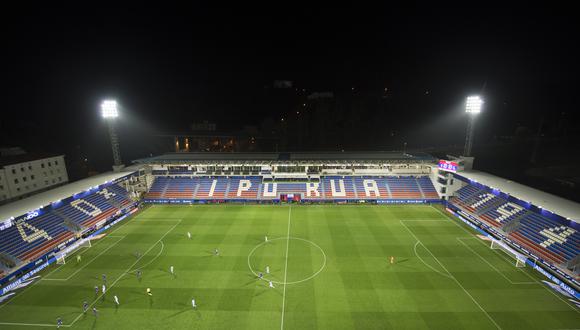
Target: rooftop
{"x":23,"y":158}
{"x":284,"y":156}
{"x":558,"y":205}
{"x":18,"y":208}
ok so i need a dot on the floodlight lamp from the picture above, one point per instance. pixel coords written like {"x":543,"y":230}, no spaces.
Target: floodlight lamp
{"x":109,"y":109}
{"x":473,"y":104}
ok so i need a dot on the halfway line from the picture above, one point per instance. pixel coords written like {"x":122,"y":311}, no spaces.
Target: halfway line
{"x":286,"y":269}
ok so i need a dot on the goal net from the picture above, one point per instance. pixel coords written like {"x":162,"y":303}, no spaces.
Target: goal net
{"x":61,"y":257}
{"x":61,"y":260}
{"x":520,"y":259}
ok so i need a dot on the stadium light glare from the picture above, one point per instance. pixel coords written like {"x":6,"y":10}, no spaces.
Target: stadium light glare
{"x":472,"y":108}
{"x":109,"y":109}
{"x":473,"y":104}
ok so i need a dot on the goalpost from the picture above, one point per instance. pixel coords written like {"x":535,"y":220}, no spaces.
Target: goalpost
{"x":520,"y":259}
{"x":61,"y":256}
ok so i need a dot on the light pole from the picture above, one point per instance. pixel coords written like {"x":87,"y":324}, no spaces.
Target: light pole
{"x":110,"y":113}
{"x":472,"y":108}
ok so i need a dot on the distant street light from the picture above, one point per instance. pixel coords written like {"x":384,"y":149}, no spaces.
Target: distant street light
{"x":110,"y":113}
{"x":473,"y":106}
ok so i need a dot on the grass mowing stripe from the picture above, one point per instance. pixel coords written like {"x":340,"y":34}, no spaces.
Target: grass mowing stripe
{"x":84,"y":265}
{"x":489,"y":264}
{"x":151,"y":261}
{"x":453,"y":278}
{"x":127,"y":271}
{"x":355,"y":291}
{"x":426,"y":264}
{"x":54,"y":270}
{"x":575,"y":309}
{"x":286,"y":268}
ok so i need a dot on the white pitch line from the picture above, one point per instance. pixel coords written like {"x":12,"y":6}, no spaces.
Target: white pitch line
{"x":85,"y":264}
{"x":489,"y":264}
{"x":33,"y":324}
{"x":286,"y":269}
{"x":293,"y":282}
{"x":54,"y":270}
{"x":575,"y":309}
{"x":127,"y":271}
{"x":426,"y":264}
{"x":454,"y":279}
{"x":154,"y":258}
{"x":449,"y":275}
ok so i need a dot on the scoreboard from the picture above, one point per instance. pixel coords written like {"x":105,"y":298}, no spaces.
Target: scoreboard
{"x":448,"y":166}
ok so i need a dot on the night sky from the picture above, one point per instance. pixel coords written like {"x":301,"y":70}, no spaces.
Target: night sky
{"x":171,"y":66}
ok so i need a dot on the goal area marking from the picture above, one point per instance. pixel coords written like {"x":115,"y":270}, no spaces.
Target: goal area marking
{"x":460,"y":240}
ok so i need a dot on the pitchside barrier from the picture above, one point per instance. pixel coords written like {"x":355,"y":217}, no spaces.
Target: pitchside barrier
{"x":305,"y":200}
{"x":49,"y":259}
{"x":537,"y":264}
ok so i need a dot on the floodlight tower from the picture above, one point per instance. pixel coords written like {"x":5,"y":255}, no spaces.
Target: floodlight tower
{"x":472,"y":108}
{"x":110,"y":113}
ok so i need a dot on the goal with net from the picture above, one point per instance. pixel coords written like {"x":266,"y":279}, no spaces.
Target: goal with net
{"x":61,"y":256}
{"x":520,"y":259}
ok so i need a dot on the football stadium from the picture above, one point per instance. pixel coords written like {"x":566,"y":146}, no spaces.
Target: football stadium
{"x":196,"y":165}
{"x":291,"y":241}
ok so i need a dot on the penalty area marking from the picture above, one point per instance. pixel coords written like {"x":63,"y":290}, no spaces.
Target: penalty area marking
{"x":453,"y":277}
{"x":289,"y":238}
{"x":110,"y":287}
{"x":84,"y":264}
{"x":426,"y":264}
{"x":451,"y":218}
{"x":488,"y":263}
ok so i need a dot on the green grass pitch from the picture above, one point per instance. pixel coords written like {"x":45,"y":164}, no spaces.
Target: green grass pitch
{"x":333,"y":273}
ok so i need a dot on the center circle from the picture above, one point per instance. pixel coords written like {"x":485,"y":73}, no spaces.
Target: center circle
{"x":272,"y":254}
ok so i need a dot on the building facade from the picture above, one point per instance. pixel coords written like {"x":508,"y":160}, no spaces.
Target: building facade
{"x":25,"y":175}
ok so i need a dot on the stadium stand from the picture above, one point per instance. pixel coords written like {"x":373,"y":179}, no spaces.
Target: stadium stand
{"x":338,"y":187}
{"x":244,"y":187}
{"x":404,"y":187}
{"x":287,"y":188}
{"x":180,"y":187}
{"x":545,"y":238}
{"x":366,"y":187}
{"x":427,"y":188}
{"x":27,"y":240}
{"x":329,"y":188}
